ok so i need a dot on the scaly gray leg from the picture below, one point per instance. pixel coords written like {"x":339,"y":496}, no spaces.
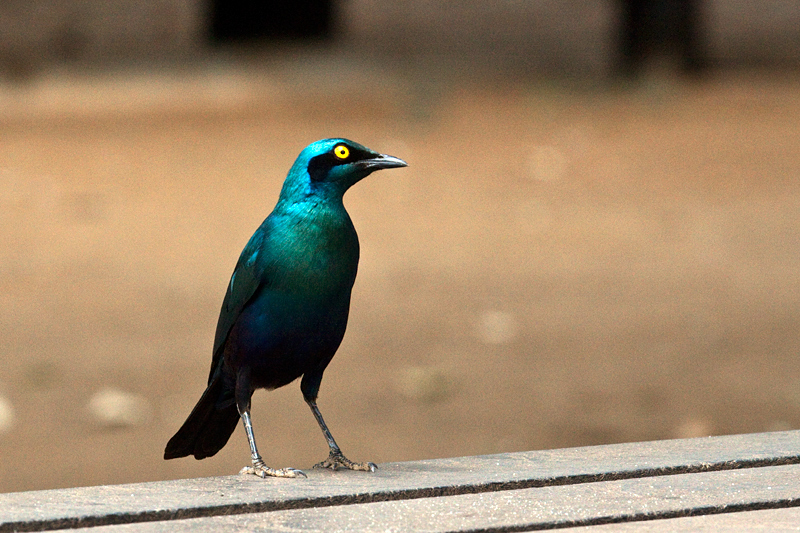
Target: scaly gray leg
{"x":336,"y":458}
{"x":259,"y":468}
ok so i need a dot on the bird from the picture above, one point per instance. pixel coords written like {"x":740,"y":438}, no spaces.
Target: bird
{"x":286,"y":306}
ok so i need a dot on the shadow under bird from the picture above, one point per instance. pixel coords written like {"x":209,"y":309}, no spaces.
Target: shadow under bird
{"x":285,"y":311}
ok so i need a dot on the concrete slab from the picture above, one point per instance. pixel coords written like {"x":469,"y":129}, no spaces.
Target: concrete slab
{"x":636,"y":501}
{"x":190,"y":498}
{"x":772,"y":520}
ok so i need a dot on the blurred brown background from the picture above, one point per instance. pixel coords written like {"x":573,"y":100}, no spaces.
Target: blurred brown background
{"x":597,"y":239}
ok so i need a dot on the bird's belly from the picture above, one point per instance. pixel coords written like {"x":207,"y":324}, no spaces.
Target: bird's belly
{"x":281,"y":336}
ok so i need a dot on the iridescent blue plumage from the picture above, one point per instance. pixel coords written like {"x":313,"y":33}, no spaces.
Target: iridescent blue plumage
{"x":286,"y":307}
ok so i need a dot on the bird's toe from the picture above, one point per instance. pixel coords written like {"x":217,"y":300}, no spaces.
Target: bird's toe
{"x":289,"y":472}
{"x":336,"y":461}
{"x":363,"y":467}
{"x":263,"y":471}
{"x":249,"y":470}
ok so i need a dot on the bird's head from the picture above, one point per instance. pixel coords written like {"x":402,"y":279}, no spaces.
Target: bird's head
{"x":331,"y":166}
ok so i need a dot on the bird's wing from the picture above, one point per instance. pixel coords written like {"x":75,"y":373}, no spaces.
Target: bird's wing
{"x":247,"y":278}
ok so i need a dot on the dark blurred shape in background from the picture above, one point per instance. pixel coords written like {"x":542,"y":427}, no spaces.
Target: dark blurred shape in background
{"x":660,"y":26}
{"x":270,"y":20}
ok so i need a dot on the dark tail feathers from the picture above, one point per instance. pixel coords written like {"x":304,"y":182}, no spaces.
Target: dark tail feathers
{"x":208,"y":427}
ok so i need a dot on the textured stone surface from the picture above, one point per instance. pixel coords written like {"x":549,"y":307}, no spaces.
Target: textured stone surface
{"x":633,"y":500}
{"x":765,"y":520}
{"x":575,"y":485}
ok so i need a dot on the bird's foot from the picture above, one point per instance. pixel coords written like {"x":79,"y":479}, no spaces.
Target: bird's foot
{"x":335,"y":461}
{"x":261,"y":470}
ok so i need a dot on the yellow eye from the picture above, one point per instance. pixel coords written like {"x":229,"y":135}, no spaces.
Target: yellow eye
{"x":341,"y":151}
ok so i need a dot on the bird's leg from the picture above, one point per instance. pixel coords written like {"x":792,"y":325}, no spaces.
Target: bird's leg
{"x":336,"y":458}
{"x":259,"y":468}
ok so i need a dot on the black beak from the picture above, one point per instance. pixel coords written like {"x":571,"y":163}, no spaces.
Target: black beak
{"x":383,"y":161}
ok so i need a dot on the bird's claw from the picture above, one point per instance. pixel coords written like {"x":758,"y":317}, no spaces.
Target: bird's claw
{"x":335,"y":461}
{"x":261,"y":470}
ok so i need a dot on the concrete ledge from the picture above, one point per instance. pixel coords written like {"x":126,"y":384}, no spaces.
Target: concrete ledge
{"x":508,"y":492}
